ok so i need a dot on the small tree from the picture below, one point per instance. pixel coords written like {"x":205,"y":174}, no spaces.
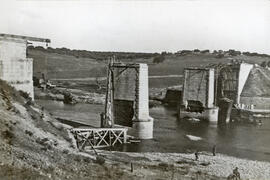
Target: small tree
{"x":158,"y":59}
{"x":264,"y":64}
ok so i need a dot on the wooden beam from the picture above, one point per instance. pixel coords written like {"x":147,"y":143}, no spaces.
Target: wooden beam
{"x":126,"y":65}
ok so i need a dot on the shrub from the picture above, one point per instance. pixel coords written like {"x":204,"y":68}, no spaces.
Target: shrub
{"x":205,"y":51}
{"x":185,"y":52}
{"x":164,"y":53}
{"x":8,"y":135}
{"x":100,"y":160}
{"x":232,"y":52}
{"x":158,"y":59}
{"x":24,"y":94}
{"x":264,"y":55}
{"x":220,"y":55}
{"x":254,"y":54}
{"x":264,"y":64}
{"x":246,"y":53}
{"x":28,"y":132}
{"x":268,"y":63}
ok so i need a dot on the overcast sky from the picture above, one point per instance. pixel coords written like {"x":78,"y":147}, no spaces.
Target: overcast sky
{"x":142,"y":26}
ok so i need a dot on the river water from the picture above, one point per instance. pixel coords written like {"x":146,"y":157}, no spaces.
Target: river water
{"x":240,"y":140}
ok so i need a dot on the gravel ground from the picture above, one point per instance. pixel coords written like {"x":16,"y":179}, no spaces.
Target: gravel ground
{"x":219,"y":165}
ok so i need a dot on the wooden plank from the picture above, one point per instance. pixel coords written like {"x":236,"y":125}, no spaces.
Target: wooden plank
{"x":98,"y":129}
{"x":126,"y":65}
{"x":117,"y":137}
{"x":102,"y":139}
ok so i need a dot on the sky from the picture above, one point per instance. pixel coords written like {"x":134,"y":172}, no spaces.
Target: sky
{"x":142,"y":25}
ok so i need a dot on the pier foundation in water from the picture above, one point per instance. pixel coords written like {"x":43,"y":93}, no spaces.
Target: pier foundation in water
{"x":198,"y":95}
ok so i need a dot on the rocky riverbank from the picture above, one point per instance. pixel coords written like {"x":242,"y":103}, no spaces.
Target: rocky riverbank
{"x":156,"y":95}
{"x":82,"y":96}
{"x":74,"y":95}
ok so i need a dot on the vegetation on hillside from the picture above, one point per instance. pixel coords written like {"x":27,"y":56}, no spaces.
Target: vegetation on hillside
{"x":98,"y":55}
{"x":61,"y":63}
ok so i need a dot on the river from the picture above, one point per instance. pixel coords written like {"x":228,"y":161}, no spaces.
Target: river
{"x":239,"y":140}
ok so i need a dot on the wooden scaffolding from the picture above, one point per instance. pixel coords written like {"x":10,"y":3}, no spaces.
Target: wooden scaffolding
{"x":99,"y":137}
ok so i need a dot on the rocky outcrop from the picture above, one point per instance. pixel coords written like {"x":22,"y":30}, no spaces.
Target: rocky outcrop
{"x":70,"y":96}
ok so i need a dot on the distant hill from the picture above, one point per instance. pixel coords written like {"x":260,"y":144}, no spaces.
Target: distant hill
{"x":97,"y":55}
{"x":64,"y":63}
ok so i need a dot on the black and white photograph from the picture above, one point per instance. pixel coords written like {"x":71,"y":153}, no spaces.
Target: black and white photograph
{"x":134,"y":89}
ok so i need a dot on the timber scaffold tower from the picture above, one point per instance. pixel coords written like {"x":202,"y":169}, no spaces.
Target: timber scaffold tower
{"x":107,"y":135}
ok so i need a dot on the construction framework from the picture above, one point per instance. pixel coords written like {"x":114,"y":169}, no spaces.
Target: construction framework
{"x":109,"y":117}
{"x":99,"y":137}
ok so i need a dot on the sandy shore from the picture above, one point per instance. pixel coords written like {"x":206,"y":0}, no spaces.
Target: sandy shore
{"x":219,"y":165}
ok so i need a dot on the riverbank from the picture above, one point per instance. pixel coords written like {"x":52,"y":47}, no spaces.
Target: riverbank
{"x":178,"y":165}
{"x":33,"y":145}
{"x":76,"y":95}
{"x":94,"y":97}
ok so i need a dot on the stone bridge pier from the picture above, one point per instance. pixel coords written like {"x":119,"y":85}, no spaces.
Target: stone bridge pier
{"x":130,"y":98}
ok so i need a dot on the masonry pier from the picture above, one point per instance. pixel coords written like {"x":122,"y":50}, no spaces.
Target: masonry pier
{"x":198,"y":95}
{"x":130,"y":98}
{"x":247,"y":86}
{"x":15,"y":67}
{"x":126,"y":105}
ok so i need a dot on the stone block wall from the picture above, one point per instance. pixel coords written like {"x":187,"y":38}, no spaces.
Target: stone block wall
{"x":199,"y":86}
{"x":131,"y":87}
{"x":228,"y":82}
{"x":143,"y":97}
{"x":12,"y":49}
{"x":18,"y":70}
{"x":124,"y":83}
{"x":15,"y":68}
